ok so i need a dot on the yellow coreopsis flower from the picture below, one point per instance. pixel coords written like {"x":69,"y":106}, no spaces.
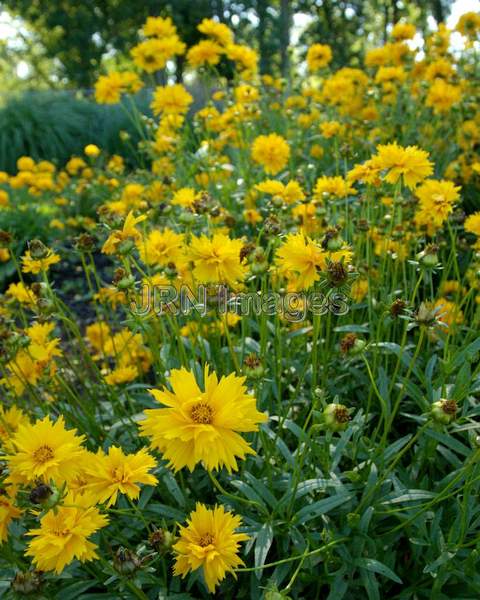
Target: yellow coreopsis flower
{"x":45,"y":451}
{"x":108,"y":89}
{"x":30,"y":264}
{"x":8,"y":512}
{"x":318,"y":56}
{"x":410,"y":163}
{"x":171,"y":99}
{"x":10,"y":420}
{"x":209,"y":541}
{"x":437,"y":198}
{"x":161,"y":247}
{"x":205,"y":52}
{"x":159,"y":27}
{"x":128,"y":231}
{"x":332,"y":186}
{"x":299,"y":258}
{"x":290,"y":193}
{"x":21,"y":293}
{"x":184,"y":197}
{"x":117,"y":473}
{"x":472,"y":224}
{"x":442,"y":96}
{"x":271,"y":151}
{"x":202,"y":425}
{"x":217,"y":260}
{"x":63,"y":534}
{"x":153,"y":54}
{"x":403,"y":31}
{"x":121,"y":375}
{"x":219,"y":31}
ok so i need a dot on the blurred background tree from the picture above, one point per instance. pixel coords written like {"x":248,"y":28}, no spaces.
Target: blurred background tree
{"x":67,"y":42}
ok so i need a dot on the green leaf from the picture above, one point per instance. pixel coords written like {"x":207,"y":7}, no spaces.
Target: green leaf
{"x":307,"y":513}
{"x":375,"y":566}
{"x":262,"y":546}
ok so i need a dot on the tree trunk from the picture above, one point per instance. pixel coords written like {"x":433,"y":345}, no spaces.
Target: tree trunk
{"x":285,"y":18}
{"x":261,"y":6}
{"x":438,"y":11}
{"x":179,"y":68}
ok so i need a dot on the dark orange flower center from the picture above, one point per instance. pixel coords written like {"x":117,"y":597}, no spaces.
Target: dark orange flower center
{"x":202,"y":413}
{"x":206,"y":540}
{"x":43,"y":454}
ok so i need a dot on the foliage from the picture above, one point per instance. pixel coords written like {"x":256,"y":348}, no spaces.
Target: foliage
{"x":55,"y":126}
{"x":325,"y":444}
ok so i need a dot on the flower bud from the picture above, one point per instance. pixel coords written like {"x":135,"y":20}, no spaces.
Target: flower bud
{"x":26,"y":583}
{"x":253,"y":366}
{"x":126,"y":561}
{"x":336,"y":417}
{"x":38,"y":250}
{"x":444,"y":411}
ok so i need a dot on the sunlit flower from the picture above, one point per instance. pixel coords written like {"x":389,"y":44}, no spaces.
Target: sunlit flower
{"x":318,"y":56}
{"x":271,"y":151}
{"x":117,"y":473}
{"x":45,"y":451}
{"x":217,"y":260}
{"x":209,"y":541}
{"x":202,"y":425}
{"x":63,"y":534}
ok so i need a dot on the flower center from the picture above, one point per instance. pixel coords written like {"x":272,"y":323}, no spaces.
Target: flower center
{"x":61,"y":532}
{"x":118,"y":475}
{"x":206,"y":540}
{"x":43,"y":454}
{"x":202,"y":413}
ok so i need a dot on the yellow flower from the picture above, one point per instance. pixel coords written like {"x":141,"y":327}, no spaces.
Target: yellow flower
{"x":202,"y":426}
{"x":217,"y":260}
{"x":118,"y":236}
{"x":219,"y":31}
{"x":117,"y":473}
{"x":121,"y":375}
{"x":411,"y":163}
{"x":472,"y":224}
{"x":359,"y":290}
{"x":171,"y":99}
{"x":290,"y":193}
{"x":299,"y":258}
{"x":332,"y":186}
{"x":63,"y":534}
{"x":205,"y":52}
{"x":330,"y":129}
{"x":8,"y":512}
{"x":10,"y":421}
{"x":469,"y":24}
{"x":245,"y":58}
{"x":442,"y":96}
{"x":37,"y":265}
{"x":209,"y":542}
{"x":21,"y":293}
{"x":184,"y":197}
{"x":45,"y":451}
{"x":437,"y":199}
{"x":448,"y":313}
{"x":25,"y":163}
{"x":4,"y":201}
{"x":159,"y":27}
{"x":161,"y":247}
{"x":91,"y":150}
{"x":271,"y":151}
{"x":318,"y":56}
{"x":153,"y":54}
{"x":108,"y":89}
{"x":403,"y":31}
